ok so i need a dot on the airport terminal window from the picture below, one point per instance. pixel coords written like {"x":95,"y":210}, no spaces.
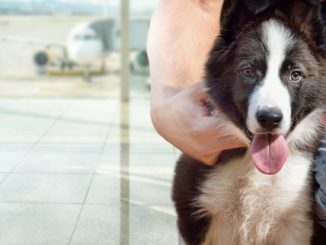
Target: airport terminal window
{"x":72,"y":165}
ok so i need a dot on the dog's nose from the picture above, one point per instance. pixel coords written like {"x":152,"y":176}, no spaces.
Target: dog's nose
{"x":269,"y":118}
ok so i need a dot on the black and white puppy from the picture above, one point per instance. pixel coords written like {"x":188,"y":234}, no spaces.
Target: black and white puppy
{"x":267,"y":76}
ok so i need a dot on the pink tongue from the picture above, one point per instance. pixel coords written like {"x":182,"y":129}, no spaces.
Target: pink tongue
{"x":269,"y":152}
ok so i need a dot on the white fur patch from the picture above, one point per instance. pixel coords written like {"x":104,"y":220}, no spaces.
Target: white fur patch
{"x":272,"y":93}
{"x":249,"y":208}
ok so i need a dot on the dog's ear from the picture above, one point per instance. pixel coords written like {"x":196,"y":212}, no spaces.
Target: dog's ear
{"x":258,"y":6}
{"x":235,"y":14}
{"x":306,"y":16}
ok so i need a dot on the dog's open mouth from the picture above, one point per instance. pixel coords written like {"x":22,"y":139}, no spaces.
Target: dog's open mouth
{"x":269,"y":152}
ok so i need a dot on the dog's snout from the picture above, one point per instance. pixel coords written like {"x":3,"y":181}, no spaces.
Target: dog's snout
{"x":269,"y":118}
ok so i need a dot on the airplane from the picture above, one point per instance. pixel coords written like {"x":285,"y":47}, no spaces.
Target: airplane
{"x":89,"y":44}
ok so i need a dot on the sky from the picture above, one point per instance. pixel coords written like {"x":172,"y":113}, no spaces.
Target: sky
{"x":138,"y":2}
{"x":134,"y":4}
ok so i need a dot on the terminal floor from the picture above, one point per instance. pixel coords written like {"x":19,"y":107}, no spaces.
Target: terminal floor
{"x":83,"y":171}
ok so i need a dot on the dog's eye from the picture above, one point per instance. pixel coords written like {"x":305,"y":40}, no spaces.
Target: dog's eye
{"x":248,"y":72}
{"x":296,"y":76}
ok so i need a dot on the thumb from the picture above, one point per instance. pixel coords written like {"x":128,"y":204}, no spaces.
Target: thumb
{"x":198,"y":91}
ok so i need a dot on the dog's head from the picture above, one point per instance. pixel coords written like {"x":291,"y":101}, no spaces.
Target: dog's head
{"x":266,"y":71}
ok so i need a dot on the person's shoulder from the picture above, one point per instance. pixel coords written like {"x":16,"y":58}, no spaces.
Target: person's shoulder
{"x":206,"y":5}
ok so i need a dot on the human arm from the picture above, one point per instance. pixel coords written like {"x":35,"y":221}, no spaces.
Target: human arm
{"x":181,"y":35}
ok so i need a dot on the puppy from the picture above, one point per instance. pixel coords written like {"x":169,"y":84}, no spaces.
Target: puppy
{"x":266,"y":77}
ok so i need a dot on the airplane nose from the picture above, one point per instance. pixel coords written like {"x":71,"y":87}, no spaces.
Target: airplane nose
{"x":269,"y":118}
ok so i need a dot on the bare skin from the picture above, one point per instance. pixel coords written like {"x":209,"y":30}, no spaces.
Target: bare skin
{"x":181,"y":35}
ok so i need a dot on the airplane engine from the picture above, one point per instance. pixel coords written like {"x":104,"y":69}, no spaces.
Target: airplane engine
{"x":41,"y":59}
{"x":142,"y":59}
{"x":139,"y":62}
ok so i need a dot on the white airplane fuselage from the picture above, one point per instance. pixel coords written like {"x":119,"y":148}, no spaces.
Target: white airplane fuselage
{"x":84,"y":46}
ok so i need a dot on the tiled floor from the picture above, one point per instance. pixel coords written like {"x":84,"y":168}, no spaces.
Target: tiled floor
{"x":82,"y":171}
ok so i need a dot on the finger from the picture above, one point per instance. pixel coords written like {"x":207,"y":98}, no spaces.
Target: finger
{"x":210,"y":123}
{"x":198,"y":91}
{"x":233,"y":142}
{"x":220,"y":132}
{"x":211,"y":161}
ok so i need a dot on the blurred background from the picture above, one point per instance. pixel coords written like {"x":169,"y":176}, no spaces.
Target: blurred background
{"x":70,"y":42}
{"x":80,"y":162}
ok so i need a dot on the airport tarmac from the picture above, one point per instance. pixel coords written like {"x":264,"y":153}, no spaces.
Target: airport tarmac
{"x":72,"y":87}
{"x":78,"y":167}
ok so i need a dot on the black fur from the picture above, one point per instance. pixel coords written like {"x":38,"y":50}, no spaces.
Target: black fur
{"x":258,"y":6}
{"x":190,"y":173}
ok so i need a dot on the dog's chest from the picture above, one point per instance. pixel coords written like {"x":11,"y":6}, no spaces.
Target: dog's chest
{"x":250,"y":206}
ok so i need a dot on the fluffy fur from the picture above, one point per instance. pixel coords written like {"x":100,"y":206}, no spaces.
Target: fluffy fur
{"x":233,"y":203}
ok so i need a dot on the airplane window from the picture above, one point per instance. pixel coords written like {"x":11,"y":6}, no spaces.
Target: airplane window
{"x":65,"y":120}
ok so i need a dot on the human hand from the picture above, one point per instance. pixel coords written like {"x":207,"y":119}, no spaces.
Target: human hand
{"x":184,"y":120}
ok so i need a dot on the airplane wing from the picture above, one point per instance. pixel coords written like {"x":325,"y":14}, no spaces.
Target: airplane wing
{"x":31,"y":41}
